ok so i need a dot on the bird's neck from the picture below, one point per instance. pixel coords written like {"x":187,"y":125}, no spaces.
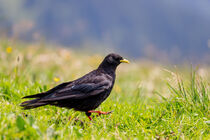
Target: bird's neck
{"x":109,"y":69}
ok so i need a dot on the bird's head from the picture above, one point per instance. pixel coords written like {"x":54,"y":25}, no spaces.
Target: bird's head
{"x":112,"y":61}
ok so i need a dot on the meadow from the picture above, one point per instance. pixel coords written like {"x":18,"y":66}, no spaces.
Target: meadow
{"x":149,"y":100}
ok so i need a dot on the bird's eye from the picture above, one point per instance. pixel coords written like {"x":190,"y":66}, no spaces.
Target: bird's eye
{"x":118,"y":58}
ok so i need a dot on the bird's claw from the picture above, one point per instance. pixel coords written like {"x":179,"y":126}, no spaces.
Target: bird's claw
{"x":109,"y":112}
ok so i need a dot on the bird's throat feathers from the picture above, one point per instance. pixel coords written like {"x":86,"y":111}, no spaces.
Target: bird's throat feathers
{"x":107,"y":68}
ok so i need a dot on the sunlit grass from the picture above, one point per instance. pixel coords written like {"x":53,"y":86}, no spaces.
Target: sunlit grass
{"x":149,"y":101}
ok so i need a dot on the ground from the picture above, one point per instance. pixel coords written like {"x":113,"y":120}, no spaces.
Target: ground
{"x":149,"y":101}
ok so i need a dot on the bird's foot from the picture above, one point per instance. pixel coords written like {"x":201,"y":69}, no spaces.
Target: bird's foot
{"x":100,"y":112}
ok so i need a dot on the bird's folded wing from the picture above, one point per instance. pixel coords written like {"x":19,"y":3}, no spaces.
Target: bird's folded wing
{"x":80,"y":91}
{"x":40,"y":95}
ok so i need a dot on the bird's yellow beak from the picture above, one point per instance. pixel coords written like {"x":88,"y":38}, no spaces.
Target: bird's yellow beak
{"x":124,"y":61}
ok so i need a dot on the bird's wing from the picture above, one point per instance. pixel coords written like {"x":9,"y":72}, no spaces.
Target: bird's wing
{"x":80,"y":91}
{"x":43,"y":94}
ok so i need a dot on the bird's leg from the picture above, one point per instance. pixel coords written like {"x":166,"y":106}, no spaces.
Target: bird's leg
{"x":88,"y":115}
{"x":99,"y":112}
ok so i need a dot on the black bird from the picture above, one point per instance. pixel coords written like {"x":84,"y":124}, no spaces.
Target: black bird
{"x":84,"y":94}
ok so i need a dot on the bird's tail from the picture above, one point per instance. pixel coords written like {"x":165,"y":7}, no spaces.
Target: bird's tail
{"x":32,"y":104}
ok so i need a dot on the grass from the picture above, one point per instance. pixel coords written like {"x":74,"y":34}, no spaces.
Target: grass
{"x":149,"y":102}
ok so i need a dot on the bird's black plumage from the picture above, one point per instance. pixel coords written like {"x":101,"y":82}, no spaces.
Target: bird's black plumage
{"x":83,"y":94}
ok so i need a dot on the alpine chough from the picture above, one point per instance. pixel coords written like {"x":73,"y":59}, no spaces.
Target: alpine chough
{"x":84,"y":94}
